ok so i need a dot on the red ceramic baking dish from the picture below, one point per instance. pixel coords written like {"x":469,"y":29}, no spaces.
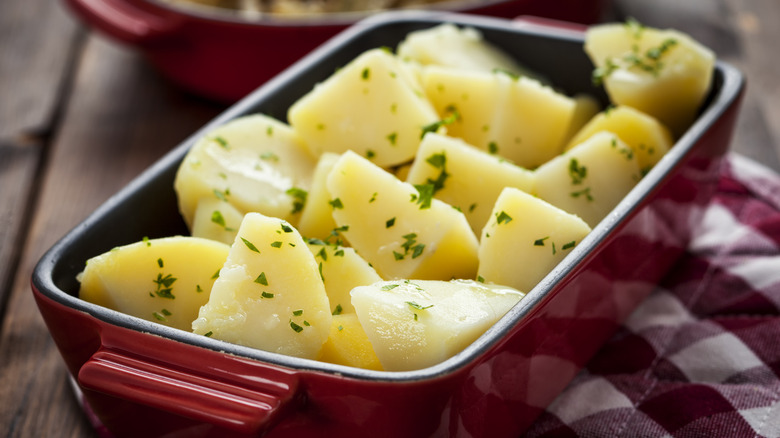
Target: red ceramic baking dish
{"x":144,"y":379}
{"x":200,"y":50}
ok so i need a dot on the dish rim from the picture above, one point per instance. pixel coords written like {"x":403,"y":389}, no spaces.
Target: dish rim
{"x":731,"y":84}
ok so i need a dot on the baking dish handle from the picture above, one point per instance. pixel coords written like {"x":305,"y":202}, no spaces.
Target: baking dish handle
{"x":125,"y":20}
{"x":220,"y":403}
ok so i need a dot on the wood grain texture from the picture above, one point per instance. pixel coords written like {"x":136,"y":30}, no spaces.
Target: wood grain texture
{"x":121,"y":118}
{"x":37,"y":42}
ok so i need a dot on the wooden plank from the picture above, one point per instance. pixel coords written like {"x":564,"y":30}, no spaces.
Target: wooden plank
{"x":741,"y":34}
{"x":37,"y":39}
{"x":120,"y":119}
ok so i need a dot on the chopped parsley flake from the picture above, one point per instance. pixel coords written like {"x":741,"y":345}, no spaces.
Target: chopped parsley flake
{"x":453,"y":116}
{"x":250,"y":245}
{"x":276,"y":244}
{"x":568,"y":245}
{"x":267,"y":294}
{"x":222,"y":196}
{"x":373,"y":198}
{"x":296,"y":327}
{"x":221,"y":141}
{"x":261,"y":279}
{"x":219,"y":219}
{"x":298,"y":312}
{"x":418,"y":306}
{"x":208,"y":334}
{"x":336,"y":203}
{"x":390,"y":222}
{"x":365,"y":74}
{"x":147,"y":241}
{"x":338,"y":310}
{"x":503,"y":218}
{"x":540,"y":242}
{"x":160,"y":262}
{"x":392,"y":137}
{"x":269,"y":156}
{"x":299,"y":196}
{"x":493,"y":147}
{"x":584,"y":192}
{"x":577,"y":173}
{"x":370,"y":154}
{"x":425,"y":197}
{"x":389,"y":286}
{"x":480,"y":279}
{"x":216,"y":275}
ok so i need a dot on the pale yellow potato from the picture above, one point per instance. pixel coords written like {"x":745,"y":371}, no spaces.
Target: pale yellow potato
{"x":269,"y":294}
{"x":525,"y":239}
{"x":646,"y":136}
{"x":216,"y":219}
{"x":163,"y":280}
{"x":662,"y":72}
{"x":342,"y":270}
{"x":590,"y":179}
{"x":448,"y":45}
{"x":373,"y":106}
{"x":252,"y":162}
{"x":413,"y":324}
{"x":470,"y":179}
{"x":517,"y":118}
{"x":401,"y":233}
{"x":585,"y":108}
{"x":316,"y":220}
{"x":348,"y":344}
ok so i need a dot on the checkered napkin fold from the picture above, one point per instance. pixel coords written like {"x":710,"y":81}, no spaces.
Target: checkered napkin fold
{"x":700,"y":357}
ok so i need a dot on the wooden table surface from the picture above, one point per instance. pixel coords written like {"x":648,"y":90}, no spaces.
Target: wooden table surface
{"x":80,"y":116}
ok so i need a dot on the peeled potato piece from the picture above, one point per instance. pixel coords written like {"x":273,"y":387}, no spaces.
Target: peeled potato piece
{"x":162,"y":280}
{"x":348,"y":344}
{"x":216,"y":219}
{"x":254,"y":162}
{"x":517,"y":118}
{"x":269,"y":294}
{"x":413,"y":324}
{"x":645,"y":135}
{"x":525,"y":238}
{"x":448,"y":45}
{"x":466,"y":177}
{"x":402,"y":232}
{"x":342,"y":269}
{"x":373,"y":106}
{"x":662,"y":72}
{"x":316,"y":220}
{"x":590,"y":179}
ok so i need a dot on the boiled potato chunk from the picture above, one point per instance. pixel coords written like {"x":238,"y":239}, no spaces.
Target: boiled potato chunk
{"x":645,"y":135}
{"x":269,"y":294}
{"x":517,"y":118}
{"x":316,"y":220}
{"x":254,"y":162}
{"x":448,"y":45}
{"x":466,"y":177}
{"x":664,"y":73}
{"x":414,"y":324}
{"x":216,"y":219}
{"x":342,"y":269}
{"x":373,"y":106}
{"x":590,"y":179}
{"x":348,"y":344}
{"x":163,"y":280}
{"x":585,"y":108}
{"x":525,"y":238}
{"x":402,"y":232}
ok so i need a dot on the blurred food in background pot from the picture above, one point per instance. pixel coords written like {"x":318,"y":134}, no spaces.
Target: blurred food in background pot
{"x":224,"y":49}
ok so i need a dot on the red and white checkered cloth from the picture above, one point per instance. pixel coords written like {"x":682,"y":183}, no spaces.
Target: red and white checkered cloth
{"x":701,"y":356}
